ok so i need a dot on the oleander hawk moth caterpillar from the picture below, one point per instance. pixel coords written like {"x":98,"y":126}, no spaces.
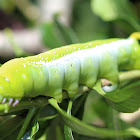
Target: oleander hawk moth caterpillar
{"x":67,"y":67}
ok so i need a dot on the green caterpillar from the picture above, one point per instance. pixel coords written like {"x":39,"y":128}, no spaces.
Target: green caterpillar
{"x":67,"y":67}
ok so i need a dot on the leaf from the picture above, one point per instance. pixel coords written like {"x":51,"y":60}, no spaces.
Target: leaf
{"x":96,"y":108}
{"x":35,"y":129}
{"x":50,"y":36}
{"x":29,"y":116}
{"x":67,"y":32}
{"x":86,"y":24}
{"x":125,"y":99}
{"x":56,"y":128}
{"x":79,"y":105}
{"x":55,"y":34}
{"x":114,"y":10}
{"x":8,"y":126}
{"x":88,"y":130}
{"x":31,"y":133}
{"x":68,"y":133}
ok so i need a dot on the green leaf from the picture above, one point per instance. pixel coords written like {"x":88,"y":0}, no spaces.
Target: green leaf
{"x":35,"y":129}
{"x":86,"y":24}
{"x":55,"y":34}
{"x":31,"y":133}
{"x":79,"y":105}
{"x":7,"y":127}
{"x":96,"y":108}
{"x":125,"y":99}
{"x":116,"y":10}
{"x":88,"y":130}
{"x":67,"y":33}
{"x":50,"y":36}
{"x":129,"y":105}
{"x":56,"y":128}
{"x":30,"y":115}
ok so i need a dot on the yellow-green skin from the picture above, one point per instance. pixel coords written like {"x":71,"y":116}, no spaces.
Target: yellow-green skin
{"x":65,"y":68}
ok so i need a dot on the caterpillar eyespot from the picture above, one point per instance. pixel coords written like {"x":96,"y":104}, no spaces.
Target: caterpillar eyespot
{"x":65,"y":68}
{"x":109,"y":88}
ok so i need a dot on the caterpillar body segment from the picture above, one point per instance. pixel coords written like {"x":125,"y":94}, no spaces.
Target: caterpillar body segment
{"x":65,"y":68}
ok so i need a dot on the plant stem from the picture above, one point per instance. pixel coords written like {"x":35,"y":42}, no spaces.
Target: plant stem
{"x":30,"y":115}
{"x":116,"y":123}
{"x":130,"y":75}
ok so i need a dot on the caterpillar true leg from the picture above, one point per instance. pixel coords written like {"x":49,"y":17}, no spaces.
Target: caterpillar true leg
{"x":15,"y":103}
{"x":4,"y":100}
{"x":10,"y":101}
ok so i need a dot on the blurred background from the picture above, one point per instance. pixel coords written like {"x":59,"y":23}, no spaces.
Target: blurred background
{"x":28,"y":27}
{"x":33,"y":26}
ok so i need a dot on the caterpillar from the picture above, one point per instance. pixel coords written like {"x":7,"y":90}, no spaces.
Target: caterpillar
{"x":67,"y":67}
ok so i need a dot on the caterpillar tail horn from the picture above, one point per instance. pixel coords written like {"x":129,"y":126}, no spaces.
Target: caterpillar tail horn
{"x":135,"y":35}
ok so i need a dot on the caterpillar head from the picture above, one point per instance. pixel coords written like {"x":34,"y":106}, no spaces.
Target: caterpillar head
{"x":7,"y":93}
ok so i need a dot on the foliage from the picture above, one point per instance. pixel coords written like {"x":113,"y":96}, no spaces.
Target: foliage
{"x":87,"y":116}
